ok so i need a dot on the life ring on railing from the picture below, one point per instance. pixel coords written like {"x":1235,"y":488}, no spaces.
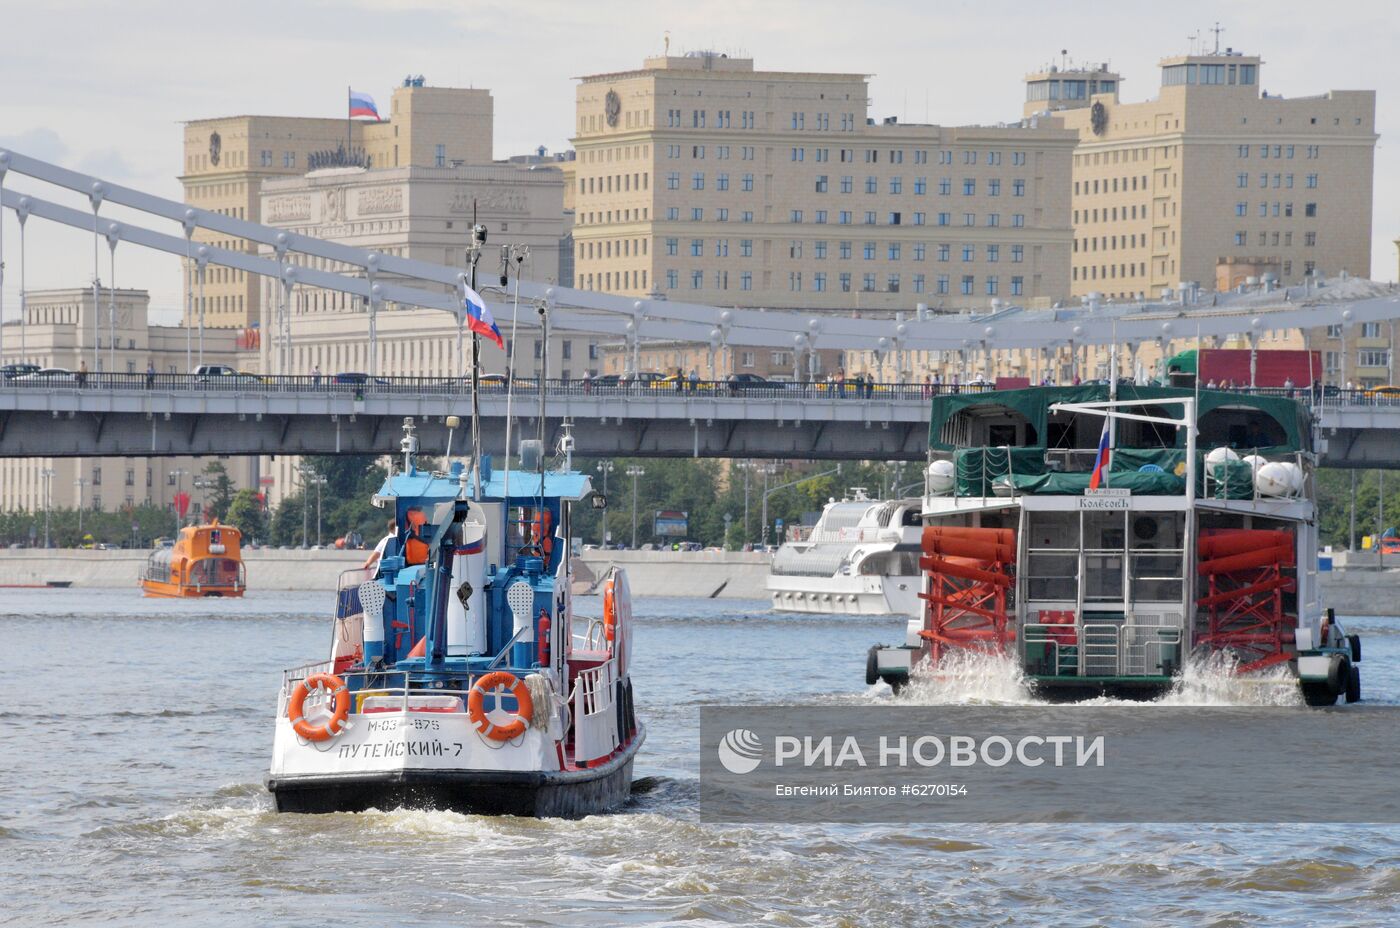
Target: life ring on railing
{"x":336,"y":723}
{"x":609,"y":612}
{"x":476,"y":708}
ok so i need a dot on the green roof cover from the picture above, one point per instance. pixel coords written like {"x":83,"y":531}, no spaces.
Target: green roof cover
{"x":1034,"y":404}
{"x":1182,"y":363}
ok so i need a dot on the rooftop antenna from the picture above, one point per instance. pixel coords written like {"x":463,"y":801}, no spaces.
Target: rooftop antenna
{"x":1191,"y":42}
{"x":1217,"y":30}
{"x":666,"y":43}
{"x":1064,"y":59}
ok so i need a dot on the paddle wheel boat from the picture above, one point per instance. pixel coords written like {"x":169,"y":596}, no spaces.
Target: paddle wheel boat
{"x":1100,"y":536}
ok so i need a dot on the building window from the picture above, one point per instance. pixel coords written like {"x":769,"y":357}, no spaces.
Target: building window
{"x":746,"y":247}
{"x":846,"y":183}
{"x":892,"y":283}
{"x":1241,"y":180}
{"x":969,"y":187}
{"x":697,"y":214}
{"x":868,"y":251}
{"x":1241,"y":238}
{"x":872,"y":185}
{"x":942,"y":285}
{"x":721,"y":248}
{"x":1373,"y":357}
{"x":845,"y":251}
{"x":968,"y":252}
{"x":821,"y":183}
{"x":440,"y":156}
{"x":746,"y":183}
{"x":1018,"y":220}
{"x":993,"y":187}
{"x":1310,"y":210}
{"x":1017,"y":286}
{"x":819,"y":282}
{"x":920,"y":251}
{"x":746,"y":280}
{"x":819,"y":250}
{"x":672,"y":279}
{"x":993,"y":253}
{"x":722,"y":182}
{"x":918,"y":283}
{"x":671,"y":246}
{"x":892,"y":252}
{"x":673,"y":180}
{"x":844,"y":217}
{"x":967,"y":283}
{"x":1311,"y":181}
{"x":992,"y":286}
{"x":896,"y":185}
{"x":1370,"y":330}
{"x":746,"y":358}
{"x":920,"y":186}
{"x":1241,"y":209}
{"x":697,"y":279}
{"x":945,"y":219}
{"x":845,"y":283}
{"x":867,"y":283}
{"x":266,"y":158}
{"x":697,"y":181}
{"x":945,"y":186}
{"x":1018,"y":188}
{"x":893,"y":219}
{"x":795,"y":215}
{"x":969,"y":219}
{"x":944,"y":252}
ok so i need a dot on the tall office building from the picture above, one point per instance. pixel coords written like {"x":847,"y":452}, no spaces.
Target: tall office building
{"x":699,"y":178}
{"x":227,"y":159}
{"x":1215,"y":181}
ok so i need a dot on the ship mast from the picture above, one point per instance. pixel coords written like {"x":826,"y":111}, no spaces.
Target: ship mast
{"x":473,"y":256}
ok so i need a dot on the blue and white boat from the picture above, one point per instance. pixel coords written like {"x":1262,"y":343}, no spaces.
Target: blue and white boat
{"x":458,"y":676}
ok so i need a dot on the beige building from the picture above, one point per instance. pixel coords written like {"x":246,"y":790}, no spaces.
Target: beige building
{"x":227,"y":160}
{"x":699,"y":178}
{"x":1215,"y":180}
{"x":58,"y":331}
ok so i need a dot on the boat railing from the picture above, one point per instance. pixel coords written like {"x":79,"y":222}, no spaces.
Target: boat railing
{"x":1101,"y":649}
{"x":384,"y":686}
{"x":594,"y":703}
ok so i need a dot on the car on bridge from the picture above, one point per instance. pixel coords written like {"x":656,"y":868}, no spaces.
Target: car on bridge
{"x":222,"y":375}
{"x":357,"y":379}
{"x":13,"y":371}
{"x":752,"y":383}
{"x":54,"y":376}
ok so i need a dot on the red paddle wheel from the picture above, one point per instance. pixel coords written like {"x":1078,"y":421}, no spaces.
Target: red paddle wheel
{"x":1243,"y":571}
{"x":970,"y":572}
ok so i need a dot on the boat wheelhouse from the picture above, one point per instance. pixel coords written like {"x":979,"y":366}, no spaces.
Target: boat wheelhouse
{"x":1101,"y":536}
{"x":861,"y":558}
{"x":458,"y":676}
{"x":204,"y":560}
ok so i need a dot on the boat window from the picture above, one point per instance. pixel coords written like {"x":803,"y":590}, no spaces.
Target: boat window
{"x":1052,"y":563}
{"x":1239,"y":427}
{"x":1133,"y":434}
{"x":989,"y":426}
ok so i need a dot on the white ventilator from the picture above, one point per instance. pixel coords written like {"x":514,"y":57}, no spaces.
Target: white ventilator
{"x":372,"y":601}
{"x":466,"y":626}
{"x":520,"y":599}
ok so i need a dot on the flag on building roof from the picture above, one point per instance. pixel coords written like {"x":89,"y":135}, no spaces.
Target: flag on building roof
{"x":480,"y":320}
{"x":362,"y":104}
{"x":1101,"y":461}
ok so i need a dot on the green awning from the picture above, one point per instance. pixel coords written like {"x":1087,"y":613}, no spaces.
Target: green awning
{"x":1033,"y":403}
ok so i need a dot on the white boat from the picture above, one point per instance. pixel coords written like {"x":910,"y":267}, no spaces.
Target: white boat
{"x":861,"y":558}
{"x":459,"y":676}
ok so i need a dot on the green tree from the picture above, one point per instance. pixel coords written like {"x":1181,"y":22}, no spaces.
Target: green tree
{"x":218,"y":491}
{"x":245,"y":513}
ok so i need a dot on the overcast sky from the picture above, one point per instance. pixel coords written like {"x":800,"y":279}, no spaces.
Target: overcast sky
{"x":103,"y":87}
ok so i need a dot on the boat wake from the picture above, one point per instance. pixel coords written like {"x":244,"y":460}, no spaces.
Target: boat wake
{"x":977,"y":678}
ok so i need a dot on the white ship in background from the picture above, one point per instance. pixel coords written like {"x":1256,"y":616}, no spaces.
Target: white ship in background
{"x":861,"y":558}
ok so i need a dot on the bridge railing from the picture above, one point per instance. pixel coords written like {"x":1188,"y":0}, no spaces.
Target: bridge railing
{"x":361,"y":385}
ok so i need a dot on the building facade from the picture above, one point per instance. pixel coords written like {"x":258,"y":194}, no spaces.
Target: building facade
{"x":59,"y":330}
{"x":701,"y":179}
{"x":227,"y":160}
{"x":1214,"y":181}
{"x":424,"y":214}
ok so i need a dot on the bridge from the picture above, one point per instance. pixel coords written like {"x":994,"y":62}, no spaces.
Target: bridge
{"x":132,"y":415}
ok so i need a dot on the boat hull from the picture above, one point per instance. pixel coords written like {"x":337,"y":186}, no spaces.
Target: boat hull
{"x":157,"y":589}
{"x":534,"y":793}
{"x":860,"y":595}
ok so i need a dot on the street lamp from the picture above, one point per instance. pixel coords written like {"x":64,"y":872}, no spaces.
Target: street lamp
{"x":772,"y":468}
{"x":605,"y":468}
{"x":47,"y":473}
{"x":80,"y":483}
{"x":634,"y":472}
{"x":318,"y":481}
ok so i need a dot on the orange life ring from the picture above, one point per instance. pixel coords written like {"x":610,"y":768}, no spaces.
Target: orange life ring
{"x":476,"y":709}
{"x":609,"y":612}
{"x":332,"y":727}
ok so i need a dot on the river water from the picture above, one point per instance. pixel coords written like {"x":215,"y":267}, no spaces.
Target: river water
{"x":137,"y":733}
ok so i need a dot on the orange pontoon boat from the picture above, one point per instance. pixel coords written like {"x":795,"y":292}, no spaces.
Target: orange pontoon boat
{"x":204,"y":561}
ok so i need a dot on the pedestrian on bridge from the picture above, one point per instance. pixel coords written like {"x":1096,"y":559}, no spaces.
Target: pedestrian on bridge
{"x":316,"y":375}
{"x":82,"y":374}
{"x":150,"y":375}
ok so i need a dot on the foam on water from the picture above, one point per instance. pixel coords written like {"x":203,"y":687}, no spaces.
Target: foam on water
{"x":981,"y":678}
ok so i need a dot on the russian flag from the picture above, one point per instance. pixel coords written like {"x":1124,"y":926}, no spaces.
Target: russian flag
{"x":1100,"y":462}
{"x":362,"y":104}
{"x":480,"y":320}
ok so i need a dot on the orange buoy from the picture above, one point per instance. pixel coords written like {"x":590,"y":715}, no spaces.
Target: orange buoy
{"x":476,"y":706}
{"x":296,"y":706}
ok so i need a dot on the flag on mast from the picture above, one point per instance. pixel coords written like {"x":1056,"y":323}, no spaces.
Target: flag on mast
{"x":479,"y":318}
{"x":1101,"y":462}
{"x":362,"y":104}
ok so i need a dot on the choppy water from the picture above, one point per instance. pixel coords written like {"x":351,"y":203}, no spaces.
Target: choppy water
{"x":137,"y":733}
